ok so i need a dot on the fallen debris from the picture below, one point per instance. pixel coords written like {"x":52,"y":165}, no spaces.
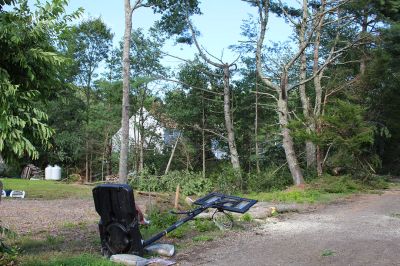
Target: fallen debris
{"x":129,"y":259}
{"x":166,"y":250}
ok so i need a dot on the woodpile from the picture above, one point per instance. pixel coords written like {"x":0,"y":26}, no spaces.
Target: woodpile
{"x":31,"y":171}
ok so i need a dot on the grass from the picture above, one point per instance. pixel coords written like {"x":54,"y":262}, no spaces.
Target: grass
{"x":160,"y":220}
{"x":68,"y":260}
{"x":296,"y":195}
{"x":321,"y":190}
{"x":202,"y":238}
{"x":49,"y":190}
{"x":31,"y":245}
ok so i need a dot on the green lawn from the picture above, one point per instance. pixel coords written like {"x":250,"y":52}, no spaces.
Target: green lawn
{"x":43,"y":189}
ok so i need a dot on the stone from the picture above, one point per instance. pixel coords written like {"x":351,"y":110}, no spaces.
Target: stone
{"x":129,"y":259}
{"x":166,"y":250}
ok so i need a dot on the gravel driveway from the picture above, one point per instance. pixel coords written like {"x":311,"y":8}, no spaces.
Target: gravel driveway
{"x":361,"y":231}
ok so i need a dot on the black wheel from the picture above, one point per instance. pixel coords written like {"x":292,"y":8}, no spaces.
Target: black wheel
{"x":105,"y":252}
{"x":223,"y":220}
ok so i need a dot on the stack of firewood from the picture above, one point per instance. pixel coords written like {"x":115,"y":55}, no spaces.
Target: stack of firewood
{"x":31,"y":171}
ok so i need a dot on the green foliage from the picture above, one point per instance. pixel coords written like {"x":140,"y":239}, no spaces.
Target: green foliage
{"x":88,"y":45}
{"x":161,"y":220}
{"x":323,"y":189}
{"x":203,"y":225}
{"x":327,"y":252}
{"x":174,"y":14}
{"x":8,"y":253}
{"x":226,"y":179}
{"x":272,"y":178}
{"x":337,"y":184}
{"x":190,"y":183}
{"x":29,"y":67}
{"x":349,"y":138}
{"x":381,"y":90}
{"x":246,"y":217}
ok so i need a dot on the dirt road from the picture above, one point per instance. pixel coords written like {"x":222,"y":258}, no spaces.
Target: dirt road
{"x":361,"y":231}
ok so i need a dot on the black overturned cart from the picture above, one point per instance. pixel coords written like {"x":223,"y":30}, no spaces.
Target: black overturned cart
{"x":119,"y":226}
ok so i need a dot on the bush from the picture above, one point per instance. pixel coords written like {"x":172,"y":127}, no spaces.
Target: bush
{"x":227,"y":180}
{"x":190,"y":183}
{"x":269,"y":180}
{"x":72,"y":178}
{"x":347,"y":184}
{"x":337,"y":184}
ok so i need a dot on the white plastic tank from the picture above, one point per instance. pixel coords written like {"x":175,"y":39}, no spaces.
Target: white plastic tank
{"x":56,"y":172}
{"x":48,"y":172}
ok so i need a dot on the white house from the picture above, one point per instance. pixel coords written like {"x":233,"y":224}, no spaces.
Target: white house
{"x":156,"y":133}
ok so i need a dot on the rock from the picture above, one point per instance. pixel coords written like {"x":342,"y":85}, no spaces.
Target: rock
{"x":166,"y":250}
{"x":129,"y":259}
{"x":189,"y":201}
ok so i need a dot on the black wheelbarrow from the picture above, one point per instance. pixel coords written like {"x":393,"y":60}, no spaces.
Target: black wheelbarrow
{"x":119,"y":225}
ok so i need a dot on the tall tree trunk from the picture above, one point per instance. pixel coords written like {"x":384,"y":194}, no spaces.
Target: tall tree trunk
{"x":319,"y":154}
{"x":309,"y":145}
{"x":1,"y":188}
{"x":203,"y":138}
{"x":364,"y":29}
{"x":87,"y":162}
{"x":227,"y":108}
{"x":282,"y":107}
{"x":87,"y":174}
{"x":172,"y":155}
{"x":109,"y":157}
{"x":256,"y":130}
{"x":123,"y":160}
{"x":318,"y":89}
{"x":142,"y":139}
{"x":228,"y":122}
{"x":288,"y":145}
{"x":90,"y":167}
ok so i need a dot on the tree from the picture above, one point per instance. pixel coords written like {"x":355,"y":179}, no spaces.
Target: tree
{"x":281,"y":90}
{"x":171,"y":22}
{"x":88,"y":44}
{"x":29,"y":68}
{"x":226,"y":69}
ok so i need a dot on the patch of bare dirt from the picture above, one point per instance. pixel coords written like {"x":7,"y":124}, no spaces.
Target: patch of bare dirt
{"x":29,"y":216}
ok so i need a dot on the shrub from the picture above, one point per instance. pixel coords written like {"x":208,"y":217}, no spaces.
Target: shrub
{"x":190,"y":183}
{"x":337,"y":184}
{"x":270,"y":179}
{"x":227,"y":180}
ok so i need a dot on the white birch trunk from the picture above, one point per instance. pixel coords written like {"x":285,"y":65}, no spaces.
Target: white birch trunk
{"x":228,"y":122}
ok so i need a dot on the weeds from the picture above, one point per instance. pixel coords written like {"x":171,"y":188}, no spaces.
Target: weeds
{"x":246,"y":217}
{"x":202,"y":238}
{"x":327,"y":252}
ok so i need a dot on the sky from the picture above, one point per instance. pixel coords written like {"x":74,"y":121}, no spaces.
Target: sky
{"x":220,"y":25}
